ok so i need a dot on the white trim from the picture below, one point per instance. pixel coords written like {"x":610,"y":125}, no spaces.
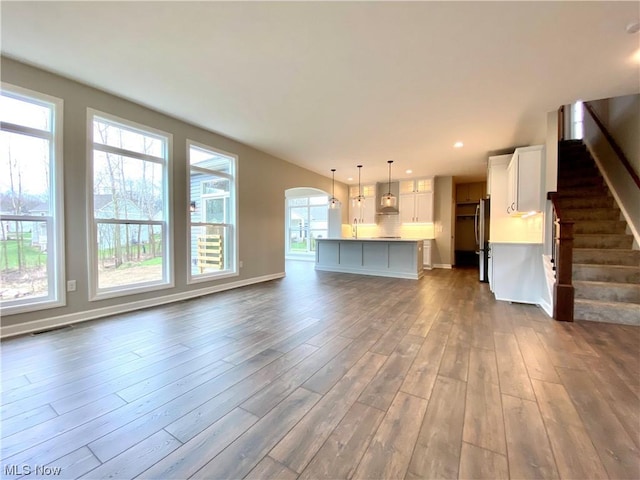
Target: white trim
{"x":547,"y":307}
{"x":232,"y":227}
{"x":56,"y":265}
{"x":442,"y":265}
{"x":72,"y":318}
{"x":28,"y":131}
{"x":168,"y":277}
{"x":607,"y":179}
{"x":122,"y":152}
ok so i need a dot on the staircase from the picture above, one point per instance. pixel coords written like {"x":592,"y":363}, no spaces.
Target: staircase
{"x":606,"y":270}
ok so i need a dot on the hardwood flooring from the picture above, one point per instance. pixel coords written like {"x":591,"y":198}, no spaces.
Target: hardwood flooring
{"x":326,"y":375}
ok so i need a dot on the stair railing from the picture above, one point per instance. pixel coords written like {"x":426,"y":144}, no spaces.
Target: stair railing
{"x":616,"y":148}
{"x":562,"y":259}
{"x":561,"y":123}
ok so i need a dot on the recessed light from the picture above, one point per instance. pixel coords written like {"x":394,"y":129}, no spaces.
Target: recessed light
{"x":350,"y":179}
{"x":408,"y":171}
{"x":458,"y":145}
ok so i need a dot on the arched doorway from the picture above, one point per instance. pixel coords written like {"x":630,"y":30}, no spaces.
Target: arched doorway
{"x":306,"y":219}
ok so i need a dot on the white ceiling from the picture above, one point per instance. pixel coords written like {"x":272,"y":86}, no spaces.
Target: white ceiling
{"x":333,"y":84}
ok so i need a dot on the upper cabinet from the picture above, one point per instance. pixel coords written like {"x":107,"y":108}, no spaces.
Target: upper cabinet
{"x":524,"y":180}
{"x":416,"y":200}
{"x":367,"y":212}
{"x":470,"y":192}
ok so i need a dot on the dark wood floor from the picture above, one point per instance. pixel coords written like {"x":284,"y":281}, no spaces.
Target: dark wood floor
{"x":324,"y":375}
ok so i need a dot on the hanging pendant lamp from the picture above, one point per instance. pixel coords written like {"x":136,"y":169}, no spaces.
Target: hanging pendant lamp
{"x":359,"y":200}
{"x":333,"y":201}
{"x":389,"y":200}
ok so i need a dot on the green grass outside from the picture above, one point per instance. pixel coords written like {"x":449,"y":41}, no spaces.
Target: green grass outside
{"x":302,"y":246}
{"x":31,"y":256}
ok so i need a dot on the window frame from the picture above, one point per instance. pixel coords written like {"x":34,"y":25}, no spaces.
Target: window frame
{"x":168,"y":277}
{"x":55,"y":220}
{"x":231,"y":223}
{"x":308,"y":206}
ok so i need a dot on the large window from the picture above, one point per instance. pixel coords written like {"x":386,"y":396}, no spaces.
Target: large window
{"x":212,"y":204}
{"x":130,"y":234}
{"x":31,"y":223}
{"x":307,"y":219}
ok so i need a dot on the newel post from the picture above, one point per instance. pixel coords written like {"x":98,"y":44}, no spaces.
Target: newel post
{"x":563,"y":291}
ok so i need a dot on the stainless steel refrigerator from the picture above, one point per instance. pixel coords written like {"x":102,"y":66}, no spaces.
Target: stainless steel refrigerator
{"x":481,"y":227}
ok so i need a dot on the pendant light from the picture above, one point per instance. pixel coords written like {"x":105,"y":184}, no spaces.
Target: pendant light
{"x":389,"y":200}
{"x":333,"y":201}
{"x":359,"y":200}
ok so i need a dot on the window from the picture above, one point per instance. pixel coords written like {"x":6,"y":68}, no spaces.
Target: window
{"x":577,"y":121}
{"x":31,"y":223}
{"x":212,"y":199}
{"x":307,"y":219}
{"x":130,"y":238}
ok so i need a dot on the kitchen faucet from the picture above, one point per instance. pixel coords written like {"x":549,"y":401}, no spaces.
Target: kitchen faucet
{"x":354,"y":228}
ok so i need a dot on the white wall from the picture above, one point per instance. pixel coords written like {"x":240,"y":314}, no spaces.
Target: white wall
{"x":442,"y":254}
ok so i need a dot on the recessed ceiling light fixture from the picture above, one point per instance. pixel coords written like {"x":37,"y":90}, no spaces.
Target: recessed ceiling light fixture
{"x":350,"y":179}
{"x":633,"y":27}
{"x":409,"y":171}
{"x":458,"y":145}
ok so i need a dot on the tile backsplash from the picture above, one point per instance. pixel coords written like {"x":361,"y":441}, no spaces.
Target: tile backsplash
{"x":390,"y":226}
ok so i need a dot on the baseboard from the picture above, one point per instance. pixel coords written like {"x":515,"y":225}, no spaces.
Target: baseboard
{"x":71,"y":318}
{"x":547,"y":307}
{"x":442,"y":265}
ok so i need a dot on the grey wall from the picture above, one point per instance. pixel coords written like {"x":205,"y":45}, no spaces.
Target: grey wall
{"x":443,"y":220}
{"x":262,"y":181}
{"x":617,"y":177}
{"x":624,"y":125}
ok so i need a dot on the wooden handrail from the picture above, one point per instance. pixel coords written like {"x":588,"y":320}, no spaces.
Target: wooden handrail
{"x":563,"y":291}
{"x":612,"y":142}
{"x":561,"y":123}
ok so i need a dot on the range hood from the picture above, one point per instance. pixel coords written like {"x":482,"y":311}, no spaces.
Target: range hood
{"x":382,"y":188}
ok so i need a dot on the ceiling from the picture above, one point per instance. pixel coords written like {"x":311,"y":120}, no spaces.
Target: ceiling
{"x":335,"y":84}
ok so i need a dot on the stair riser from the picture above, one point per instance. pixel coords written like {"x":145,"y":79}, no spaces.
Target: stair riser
{"x":604,"y":241}
{"x":607,"y":313}
{"x":579,"y":170}
{"x":601,"y":226}
{"x":630,"y":258}
{"x":584,"y":192}
{"x":592,"y":214}
{"x":627,"y":293}
{"x":606,"y":273}
{"x":586,"y":202}
{"x":580,"y":182}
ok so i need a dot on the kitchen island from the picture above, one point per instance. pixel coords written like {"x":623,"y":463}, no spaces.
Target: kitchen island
{"x":384,"y":257}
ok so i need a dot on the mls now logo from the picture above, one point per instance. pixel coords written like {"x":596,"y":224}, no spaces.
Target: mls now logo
{"x":42,"y":470}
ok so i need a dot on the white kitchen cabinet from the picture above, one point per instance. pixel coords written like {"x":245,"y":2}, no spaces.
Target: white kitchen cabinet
{"x":416,"y":200}
{"x":367,"y":212}
{"x":516,"y":273}
{"x":524,"y":180}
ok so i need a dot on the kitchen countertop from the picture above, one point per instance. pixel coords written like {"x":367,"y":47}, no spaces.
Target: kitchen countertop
{"x":504,"y":242}
{"x":375,"y":239}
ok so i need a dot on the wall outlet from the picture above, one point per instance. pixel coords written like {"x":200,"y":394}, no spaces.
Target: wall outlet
{"x":71,"y":286}
{"x":241,"y":264}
